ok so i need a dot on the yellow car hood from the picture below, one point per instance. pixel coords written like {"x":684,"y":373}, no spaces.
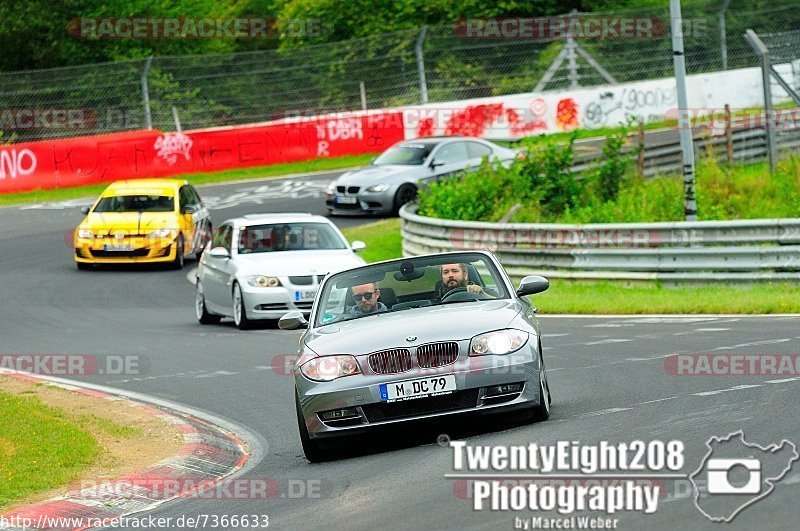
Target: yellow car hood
{"x":129,"y":222}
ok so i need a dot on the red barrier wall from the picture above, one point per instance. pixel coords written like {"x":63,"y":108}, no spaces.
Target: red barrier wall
{"x":136,"y":154}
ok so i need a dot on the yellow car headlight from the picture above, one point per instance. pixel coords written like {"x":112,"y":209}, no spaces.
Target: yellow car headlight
{"x":161,"y":233}
{"x":85,"y":233}
{"x":261,"y":281}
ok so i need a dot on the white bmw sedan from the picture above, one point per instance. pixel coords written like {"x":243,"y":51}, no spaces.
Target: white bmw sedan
{"x":260,"y":266}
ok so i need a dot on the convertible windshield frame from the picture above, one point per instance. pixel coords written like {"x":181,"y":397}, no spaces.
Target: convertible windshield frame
{"x":412,"y":283}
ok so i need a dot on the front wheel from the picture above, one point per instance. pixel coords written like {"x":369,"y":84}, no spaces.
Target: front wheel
{"x":311,"y":449}
{"x":179,"y":260}
{"x":239,"y":311}
{"x":405,"y":194}
{"x":200,"y":307}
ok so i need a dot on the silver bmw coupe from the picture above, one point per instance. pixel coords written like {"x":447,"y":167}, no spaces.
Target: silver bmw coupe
{"x":413,"y":339}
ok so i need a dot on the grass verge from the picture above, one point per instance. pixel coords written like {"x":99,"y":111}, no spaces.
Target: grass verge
{"x":382,"y":238}
{"x":53,"y":440}
{"x":384,"y":242}
{"x":255,"y":172}
{"x":40,"y":448}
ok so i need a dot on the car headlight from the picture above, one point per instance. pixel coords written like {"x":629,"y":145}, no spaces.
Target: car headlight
{"x":161,"y":233}
{"x":331,"y":187}
{"x":378,"y":188}
{"x":327,"y":368}
{"x":261,"y":281}
{"x":499,"y":342}
{"x":85,"y":233}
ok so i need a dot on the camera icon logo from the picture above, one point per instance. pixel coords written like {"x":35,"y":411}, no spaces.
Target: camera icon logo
{"x":719,"y":472}
{"x":735,"y":474}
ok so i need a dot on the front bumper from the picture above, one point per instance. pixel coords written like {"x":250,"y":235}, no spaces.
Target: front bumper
{"x":141,"y":250}
{"x":474,"y":377}
{"x":366,"y":203}
{"x":273,"y":303}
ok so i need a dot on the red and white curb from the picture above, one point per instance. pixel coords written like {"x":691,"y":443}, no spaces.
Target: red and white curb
{"x":209,"y":454}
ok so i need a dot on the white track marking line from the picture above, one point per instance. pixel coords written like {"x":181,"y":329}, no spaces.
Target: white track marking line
{"x":779,"y":381}
{"x":718,"y":391}
{"x":607,"y":341}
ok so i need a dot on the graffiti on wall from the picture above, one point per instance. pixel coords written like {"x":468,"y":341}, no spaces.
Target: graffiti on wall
{"x":619,"y":106}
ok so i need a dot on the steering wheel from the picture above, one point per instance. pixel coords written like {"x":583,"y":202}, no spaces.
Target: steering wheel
{"x":461,"y":294}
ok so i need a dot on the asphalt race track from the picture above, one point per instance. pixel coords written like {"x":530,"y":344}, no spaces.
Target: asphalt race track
{"x":607,"y":375}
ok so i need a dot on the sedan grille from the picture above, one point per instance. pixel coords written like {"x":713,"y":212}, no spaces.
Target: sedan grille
{"x":437,"y":354}
{"x":340,"y":189}
{"x":353,"y":189}
{"x":465,"y":399}
{"x":390,"y":361}
{"x":301,"y":281}
{"x":303,"y":305}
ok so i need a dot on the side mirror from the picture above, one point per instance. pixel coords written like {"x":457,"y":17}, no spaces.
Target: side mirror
{"x":189,"y":209}
{"x":292,"y":321}
{"x":532,"y":284}
{"x":435,"y":164}
{"x":85,"y":210}
{"x":358,"y":246}
{"x":219,"y":252}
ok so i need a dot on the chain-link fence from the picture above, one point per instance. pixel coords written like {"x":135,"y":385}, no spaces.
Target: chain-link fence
{"x":472,"y":58}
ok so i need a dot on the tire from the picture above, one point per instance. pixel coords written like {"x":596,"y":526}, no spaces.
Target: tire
{"x":180,"y":259}
{"x":239,"y":311}
{"x":311,"y":449}
{"x":406,"y":193}
{"x":542,"y":411}
{"x":200,"y":307}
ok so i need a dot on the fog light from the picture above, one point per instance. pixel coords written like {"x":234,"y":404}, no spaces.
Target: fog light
{"x":504,"y":389}
{"x":339,"y":414}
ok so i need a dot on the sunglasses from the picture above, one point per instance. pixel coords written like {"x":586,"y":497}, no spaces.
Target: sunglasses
{"x":368,"y":295}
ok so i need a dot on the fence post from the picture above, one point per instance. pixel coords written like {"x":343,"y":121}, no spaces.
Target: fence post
{"x":640,"y":150}
{"x":572,"y":63}
{"x":723,"y":39}
{"x":148,"y":119}
{"x":423,"y":85}
{"x":728,"y":134}
{"x":363,"y":91}
{"x":769,"y":114}
{"x":684,"y":124}
{"x":177,"y":120}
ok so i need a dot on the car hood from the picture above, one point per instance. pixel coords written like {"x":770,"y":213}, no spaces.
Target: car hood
{"x":370,"y":175}
{"x":285,"y":263}
{"x":129,"y":221}
{"x":428,"y":324}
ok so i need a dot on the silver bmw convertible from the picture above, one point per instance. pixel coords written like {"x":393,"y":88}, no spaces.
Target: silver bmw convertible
{"x":414,"y":339}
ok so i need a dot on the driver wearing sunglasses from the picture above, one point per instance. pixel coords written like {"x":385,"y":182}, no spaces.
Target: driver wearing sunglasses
{"x":366,"y":297}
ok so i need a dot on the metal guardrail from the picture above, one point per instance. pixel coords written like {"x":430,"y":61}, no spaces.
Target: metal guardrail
{"x":727,"y":251}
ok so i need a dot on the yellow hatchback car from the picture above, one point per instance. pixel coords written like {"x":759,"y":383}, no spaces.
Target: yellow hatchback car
{"x":143,"y":220}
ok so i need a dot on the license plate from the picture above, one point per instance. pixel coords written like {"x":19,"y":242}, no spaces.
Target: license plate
{"x":304,"y":295}
{"x":346,"y":200}
{"x":419,"y":388}
{"x":118,"y":247}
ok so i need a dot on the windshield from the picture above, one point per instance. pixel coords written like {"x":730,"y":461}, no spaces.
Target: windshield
{"x":407,"y":284}
{"x":406,"y":154}
{"x":136,"y":203}
{"x":289,"y":237}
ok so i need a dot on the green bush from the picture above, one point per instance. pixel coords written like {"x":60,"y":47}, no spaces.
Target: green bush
{"x":611,"y":192}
